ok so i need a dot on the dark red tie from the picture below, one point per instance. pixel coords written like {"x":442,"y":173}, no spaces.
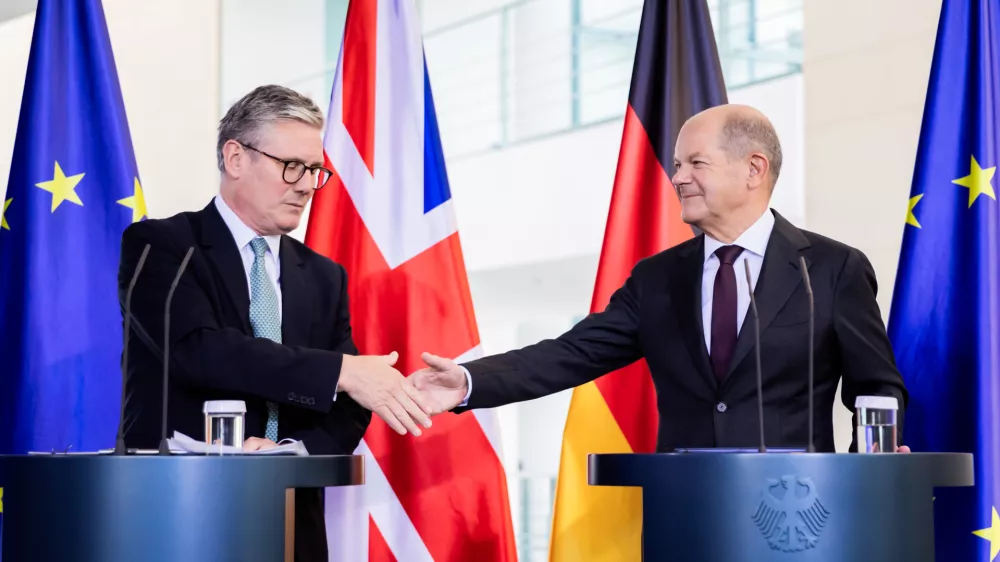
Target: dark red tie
{"x":724,"y":311}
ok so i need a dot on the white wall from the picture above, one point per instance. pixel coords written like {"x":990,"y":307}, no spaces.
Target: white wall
{"x":264,"y":42}
{"x":436,"y":14}
{"x":168,"y":68}
{"x":867,"y":66}
{"x":513,"y":205}
{"x":541,"y":68}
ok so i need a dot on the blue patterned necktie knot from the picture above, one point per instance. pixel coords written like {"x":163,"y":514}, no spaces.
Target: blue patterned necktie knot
{"x":259,"y":247}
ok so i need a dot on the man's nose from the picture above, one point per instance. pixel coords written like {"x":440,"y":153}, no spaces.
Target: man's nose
{"x":681,"y":177}
{"x":305,"y":183}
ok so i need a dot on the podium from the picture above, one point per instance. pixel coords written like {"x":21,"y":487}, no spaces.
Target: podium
{"x":88,"y":507}
{"x":786,"y":507}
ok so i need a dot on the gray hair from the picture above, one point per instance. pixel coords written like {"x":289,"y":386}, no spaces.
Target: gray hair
{"x":265,"y":104}
{"x":743,"y":134}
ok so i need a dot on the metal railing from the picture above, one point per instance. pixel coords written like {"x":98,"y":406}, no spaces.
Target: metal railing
{"x":539,"y":67}
{"x":537,"y":497}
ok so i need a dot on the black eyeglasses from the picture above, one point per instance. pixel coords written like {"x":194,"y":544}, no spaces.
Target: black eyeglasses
{"x":295,"y":169}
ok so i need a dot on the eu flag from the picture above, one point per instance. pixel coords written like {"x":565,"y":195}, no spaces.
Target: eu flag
{"x":945,"y":315}
{"x":73,"y":188}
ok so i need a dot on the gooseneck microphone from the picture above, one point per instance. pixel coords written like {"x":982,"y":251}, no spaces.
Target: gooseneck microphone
{"x":812,"y":343}
{"x":756,"y":347}
{"x":164,"y":447}
{"x":120,"y":440}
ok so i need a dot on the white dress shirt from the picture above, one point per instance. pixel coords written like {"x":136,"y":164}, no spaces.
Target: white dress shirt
{"x":754,"y":243}
{"x":243,"y":234}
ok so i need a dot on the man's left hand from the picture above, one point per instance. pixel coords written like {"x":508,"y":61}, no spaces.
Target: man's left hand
{"x":257,"y":444}
{"x":902,"y":449}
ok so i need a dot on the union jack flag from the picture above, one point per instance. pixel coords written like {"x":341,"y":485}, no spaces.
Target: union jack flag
{"x":387,"y":216}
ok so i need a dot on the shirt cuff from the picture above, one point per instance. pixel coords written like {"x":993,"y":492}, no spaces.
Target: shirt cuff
{"x":468,"y":380}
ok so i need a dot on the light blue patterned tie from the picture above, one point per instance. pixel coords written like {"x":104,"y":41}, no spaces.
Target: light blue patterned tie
{"x":264,"y":317}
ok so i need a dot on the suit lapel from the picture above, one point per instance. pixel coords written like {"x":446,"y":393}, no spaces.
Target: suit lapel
{"x":296,"y":297}
{"x":779,"y":277}
{"x":686,"y":289}
{"x":225,"y":256}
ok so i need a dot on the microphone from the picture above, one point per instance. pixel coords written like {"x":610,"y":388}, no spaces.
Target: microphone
{"x":756,"y":347}
{"x":809,"y":291}
{"x":164,"y":448}
{"x":120,"y":440}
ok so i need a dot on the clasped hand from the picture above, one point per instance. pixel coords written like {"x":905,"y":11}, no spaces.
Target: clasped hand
{"x":373,"y":383}
{"x":442,"y":384}
{"x":405,"y":404}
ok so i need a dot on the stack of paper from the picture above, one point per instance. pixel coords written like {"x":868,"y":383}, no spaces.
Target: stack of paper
{"x":183,"y":444}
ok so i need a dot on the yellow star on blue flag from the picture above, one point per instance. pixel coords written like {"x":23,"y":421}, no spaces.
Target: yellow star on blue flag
{"x":978,"y":181}
{"x":137,"y":202}
{"x":911,"y":219}
{"x":62,"y":188}
{"x":3,"y":214}
{"x":992,"y":534}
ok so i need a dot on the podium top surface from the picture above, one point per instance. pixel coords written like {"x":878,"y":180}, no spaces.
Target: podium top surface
{"x":638,"y":469}
{"x":313,"y":471}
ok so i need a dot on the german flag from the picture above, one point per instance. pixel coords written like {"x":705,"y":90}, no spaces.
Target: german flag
{"x":676,"y":74}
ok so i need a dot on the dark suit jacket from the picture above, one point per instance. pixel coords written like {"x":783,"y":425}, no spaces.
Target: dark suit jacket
{"x":214,"y":355}
{"x":656,"y":315}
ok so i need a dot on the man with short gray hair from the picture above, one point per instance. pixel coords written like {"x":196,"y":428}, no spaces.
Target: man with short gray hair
{"x":257,"y":315}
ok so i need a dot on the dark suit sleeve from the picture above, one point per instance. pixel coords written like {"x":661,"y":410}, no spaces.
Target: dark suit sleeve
{"x":867,"y":360}
{"x":343,"y":427}
{"x":600,"y":343}
{"x":203,"y":353}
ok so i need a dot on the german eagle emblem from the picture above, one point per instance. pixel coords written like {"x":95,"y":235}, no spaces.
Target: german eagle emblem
{"x":790,"y":514}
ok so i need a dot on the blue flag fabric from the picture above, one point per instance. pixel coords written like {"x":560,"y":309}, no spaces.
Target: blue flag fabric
{"x":945,"y":316}
{"x":73,"y":188}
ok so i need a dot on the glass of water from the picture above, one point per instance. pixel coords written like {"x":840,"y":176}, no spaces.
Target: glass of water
{"x":876,"y":423}
{"x":224,"y":421}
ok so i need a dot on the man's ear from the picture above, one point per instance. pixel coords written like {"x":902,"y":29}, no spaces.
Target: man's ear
{"x":759,"y":168}
{"x":234,"y":159}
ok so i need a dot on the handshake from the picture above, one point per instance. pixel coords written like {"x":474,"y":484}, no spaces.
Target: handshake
{"x":405,"y":404}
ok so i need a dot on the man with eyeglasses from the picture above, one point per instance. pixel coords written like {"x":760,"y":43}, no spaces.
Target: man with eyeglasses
{"x":257,"y":315}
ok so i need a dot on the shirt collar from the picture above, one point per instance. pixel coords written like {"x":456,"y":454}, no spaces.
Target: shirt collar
{"x":753,"y":239}
{"x":242,"y":233}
